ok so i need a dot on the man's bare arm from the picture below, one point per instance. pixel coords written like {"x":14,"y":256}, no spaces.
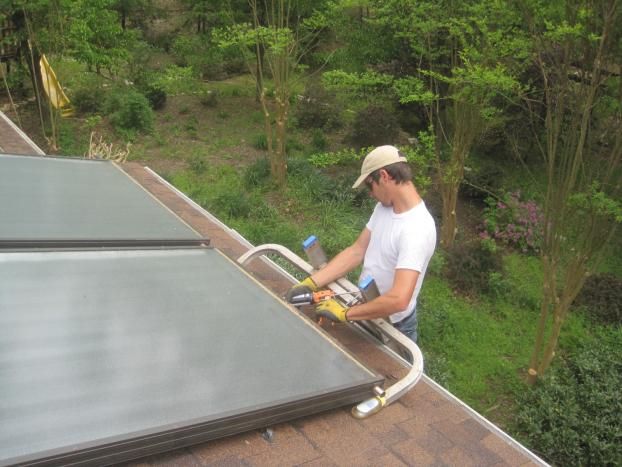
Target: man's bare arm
{"x":396,"y":299}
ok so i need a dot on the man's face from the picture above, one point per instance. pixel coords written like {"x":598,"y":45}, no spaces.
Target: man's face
{"x":377,"y":190}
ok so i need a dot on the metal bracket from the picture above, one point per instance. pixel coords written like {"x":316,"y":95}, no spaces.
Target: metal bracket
{"x":343,"y":286}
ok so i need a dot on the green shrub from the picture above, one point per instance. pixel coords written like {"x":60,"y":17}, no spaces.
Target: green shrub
{"x":129,"y":111}
{"x":299,"y":168}
{"x":270,"y":229}
{"x":198,"y":163}
{"x":342,"y":157}
{"x":88,"y":99}
{"x":175,"y":80}
{"x":184,"y":47}
{"x":162,"y":40}
{"x":71,"y":145}
{"x":573,"y":416}
{"x":318,"y":140}
{"x":471,"y":266}
{"x":437,"y":263}
{"x":360,"y":48}
{"x":257,"y":173}
{"x":233,"y":62}
{"x":244,"y":207}
{"x":207,"y":59}
{"x":481,"y":178}
{"x":374,"y":126}
{"x":17,"y":81}
{"x":293,"y":145}
{"x":141,"y":59}
{"x":192,"y":124}
{"x":233,"y":203}
{"x":197,"y":52}
{"x":310,"y":183}
{"x":260,"y":142}
{"x":601,"y":295}
{"x":522,"y":280}
{"x":317,"y":108}
{"x":436,"y":325}
{"x":155,"y":94}
{"x":209,"y":98}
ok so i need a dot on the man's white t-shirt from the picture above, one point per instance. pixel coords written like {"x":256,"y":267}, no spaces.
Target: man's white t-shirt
{"x":399,"y":241}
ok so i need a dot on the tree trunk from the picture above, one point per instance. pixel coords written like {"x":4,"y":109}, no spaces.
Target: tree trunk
{"x":259,"y":55}
{"x":279,"y":159}
{"x":548,"y":292}
{"x":467,"y":125}
{"x":449,"y":225}
{"x":450,"y":185}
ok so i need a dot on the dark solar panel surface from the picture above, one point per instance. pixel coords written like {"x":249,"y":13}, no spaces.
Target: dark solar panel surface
{"x":56,"y":198}
{"x":105,"y":345}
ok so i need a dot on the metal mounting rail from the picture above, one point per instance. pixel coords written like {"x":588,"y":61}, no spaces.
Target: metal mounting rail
{"x":343,"y":286}
{"x":79,"y":243}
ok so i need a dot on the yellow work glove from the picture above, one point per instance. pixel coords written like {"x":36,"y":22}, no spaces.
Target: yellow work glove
{"x":332,"y":310}
{"x":305,"y":286}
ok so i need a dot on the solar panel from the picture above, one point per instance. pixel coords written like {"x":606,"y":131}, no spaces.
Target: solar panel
{"x":118,"y":339}
{"x":62,"y":198}
{"x":111,"y":355}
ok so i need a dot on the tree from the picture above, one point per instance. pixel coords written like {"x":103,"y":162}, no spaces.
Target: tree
{"x":278,"y":39}
{"x":88,"y":29}
{"x":465,"y":61}
{"x":576,"y":111}
{"x":206,"y":14}
{"x":136,"y":11}
{"x":96,"y":36}
{"x":458,"y":62}
{"x":38,"y":27}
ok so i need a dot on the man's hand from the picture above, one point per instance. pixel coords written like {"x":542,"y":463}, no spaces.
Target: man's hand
{"x":305,"y":286}
{"x":332,"y":310}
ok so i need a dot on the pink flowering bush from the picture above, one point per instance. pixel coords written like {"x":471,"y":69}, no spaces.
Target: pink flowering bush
{"x":515,"y":222}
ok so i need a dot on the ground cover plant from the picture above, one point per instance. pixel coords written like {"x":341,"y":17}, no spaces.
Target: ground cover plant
{"x":573,"y":415}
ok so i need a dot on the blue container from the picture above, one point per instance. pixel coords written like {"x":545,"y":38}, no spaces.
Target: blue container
{"x":314,"y":252}
{"x":369,"y":289}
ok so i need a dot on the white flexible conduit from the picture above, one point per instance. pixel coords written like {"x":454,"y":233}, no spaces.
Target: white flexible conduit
{"x":342,"y":286}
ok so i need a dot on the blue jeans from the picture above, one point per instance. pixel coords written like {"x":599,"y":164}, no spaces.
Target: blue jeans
{"x":408,"y":326}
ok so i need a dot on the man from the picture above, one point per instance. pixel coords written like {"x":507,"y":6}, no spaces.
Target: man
{"x":395,"y":247}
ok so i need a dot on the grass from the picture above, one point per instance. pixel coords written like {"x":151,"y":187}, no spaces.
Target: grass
{"x":246,"y":200}
{"x":481,"y":348}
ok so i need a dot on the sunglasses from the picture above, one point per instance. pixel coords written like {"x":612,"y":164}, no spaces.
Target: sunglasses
{"x":369,"y":183}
